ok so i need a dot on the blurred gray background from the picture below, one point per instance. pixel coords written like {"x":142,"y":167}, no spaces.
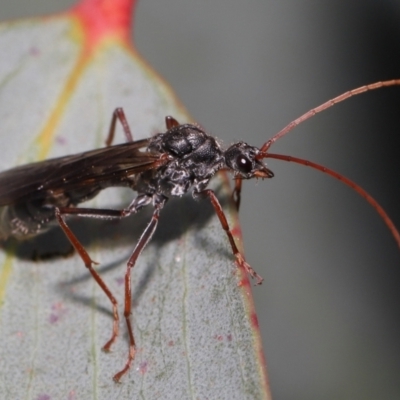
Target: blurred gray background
{"x":329,"y":305}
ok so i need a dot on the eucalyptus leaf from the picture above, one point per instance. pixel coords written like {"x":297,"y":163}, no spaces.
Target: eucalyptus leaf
{"x":193,"y":317}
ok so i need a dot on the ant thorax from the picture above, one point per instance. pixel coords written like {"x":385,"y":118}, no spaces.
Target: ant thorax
{"x":194,"y":157}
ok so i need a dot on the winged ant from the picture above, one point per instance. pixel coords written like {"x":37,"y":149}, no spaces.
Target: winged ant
{"x":37,"y":195}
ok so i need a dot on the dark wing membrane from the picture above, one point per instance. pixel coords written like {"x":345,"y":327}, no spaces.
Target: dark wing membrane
{"x":71,"y":172}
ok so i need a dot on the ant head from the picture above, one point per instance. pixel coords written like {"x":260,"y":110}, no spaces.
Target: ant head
{"x":243,"y":160}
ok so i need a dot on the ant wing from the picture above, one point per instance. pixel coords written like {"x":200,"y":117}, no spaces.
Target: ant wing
{"x":76,"y":172}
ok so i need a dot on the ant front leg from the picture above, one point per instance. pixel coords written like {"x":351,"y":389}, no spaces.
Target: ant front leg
{"x":120,"y":115}
{"x":240,"y":261}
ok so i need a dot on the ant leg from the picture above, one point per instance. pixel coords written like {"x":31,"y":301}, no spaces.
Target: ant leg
{"x":120,"y":115}
{"x":89,"y":265}
{"x":236,"y":194}
{"x":240,"y":261}
{"x":171,"y":122}
{"x":136,"y":205}
{"x":143,"y":241}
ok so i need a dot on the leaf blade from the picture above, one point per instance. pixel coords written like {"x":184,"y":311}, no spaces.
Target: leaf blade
{"x":184,"y":291}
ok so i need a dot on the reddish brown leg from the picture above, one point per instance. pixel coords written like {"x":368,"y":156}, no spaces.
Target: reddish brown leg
{"x":170,"y":122}
{"x":136,"y":205}
{"x":240,"y":261}
{"x":88,"y":264}
{"x":120,"y":115}
{"x":236,"y":194}
{"x":144,"y":239}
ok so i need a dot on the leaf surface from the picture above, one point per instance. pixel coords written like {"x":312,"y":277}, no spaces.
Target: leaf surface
{"x":193,"y":316}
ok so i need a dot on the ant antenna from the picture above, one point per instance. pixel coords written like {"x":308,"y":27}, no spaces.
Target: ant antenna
{"x":389,"y":223}
{"x":330,"y":103}
{"x":326,"y":105}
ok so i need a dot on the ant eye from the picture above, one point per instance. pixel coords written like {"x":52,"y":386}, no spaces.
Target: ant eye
{"x":244,"y":164}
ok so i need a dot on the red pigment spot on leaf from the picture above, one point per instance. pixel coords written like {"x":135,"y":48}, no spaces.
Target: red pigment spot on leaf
{"x":120,"y":281}
{"x":57,"y":312}
{"x":254,"y":320}
{"x":143,"y":367}
{"x":236,"y":231}
{"x":171,"y":343}
{"x":34,"y":51}
{"x":61,"y":140}
{"x":72,"y":395}
{"x":245,"y":281}
{"x":43,"y":397}
{"x":104,"y":19}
